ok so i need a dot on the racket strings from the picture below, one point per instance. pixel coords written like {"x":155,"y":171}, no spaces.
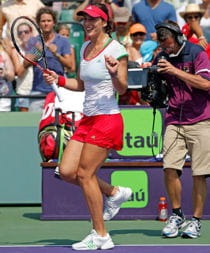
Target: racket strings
{"x":27,"y":39}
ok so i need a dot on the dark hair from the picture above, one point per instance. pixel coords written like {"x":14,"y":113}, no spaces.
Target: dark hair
{"x":108,"y":28}
{"x":46,"y":10}
{"x":164,"y":33}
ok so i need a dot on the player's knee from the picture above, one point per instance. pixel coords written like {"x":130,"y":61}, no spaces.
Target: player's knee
{"x":66,"y":174}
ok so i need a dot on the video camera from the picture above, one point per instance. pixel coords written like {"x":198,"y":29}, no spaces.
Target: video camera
{"x":151,"y":84}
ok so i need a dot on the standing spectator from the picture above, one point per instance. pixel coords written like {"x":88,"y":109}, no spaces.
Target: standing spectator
{"x":152,"y":12}
{"x":103,"y":70}
{"x":57,"y":55}
{"x":24,"y":75}
{"x":122,"y":22}
{"x":7,"y":75}
{"x":186,"y":69}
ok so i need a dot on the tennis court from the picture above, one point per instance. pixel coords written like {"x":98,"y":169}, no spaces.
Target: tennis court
{"x":22,"y":231}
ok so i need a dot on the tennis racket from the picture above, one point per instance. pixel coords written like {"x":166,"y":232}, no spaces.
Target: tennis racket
{"x":34,"y":47}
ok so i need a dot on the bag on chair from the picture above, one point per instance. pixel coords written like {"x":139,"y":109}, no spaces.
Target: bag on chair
{"x":55,"y":129}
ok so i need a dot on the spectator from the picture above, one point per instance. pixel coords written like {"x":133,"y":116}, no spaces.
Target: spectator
{"x":11,"y":9}
{"x":192,"y":29}
{"x":138,"y":34}
{"x":65,"y":31}
{"x":149,"y":49}
{"x":24,"y":75}
{"x":122,"y":22}
{"x":7,"y":75}
{"x":57,"y":55}
{"x":152,"y":12}
{"x":205,"y":20}
{"x":130,"y":3}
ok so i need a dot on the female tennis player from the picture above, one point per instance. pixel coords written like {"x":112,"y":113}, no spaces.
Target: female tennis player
{"x":103,"y":71}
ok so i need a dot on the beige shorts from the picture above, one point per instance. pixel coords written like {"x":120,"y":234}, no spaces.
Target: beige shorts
{"x":180,"y":140}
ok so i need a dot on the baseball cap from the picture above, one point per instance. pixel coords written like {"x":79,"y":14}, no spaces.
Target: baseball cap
{"x":136,"y":28}
{"x":94,"y":12}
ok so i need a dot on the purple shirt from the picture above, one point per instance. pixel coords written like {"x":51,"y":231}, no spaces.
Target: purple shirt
{"x":188,"y":105}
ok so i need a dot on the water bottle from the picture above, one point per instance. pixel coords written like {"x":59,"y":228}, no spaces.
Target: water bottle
{"x":162,"y":209}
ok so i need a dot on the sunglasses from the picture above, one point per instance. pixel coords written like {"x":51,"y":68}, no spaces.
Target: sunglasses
{"x":193,"y":16}
{"x":23,"y":31}
{"x":138,"y":34}
{"x":121,"y":23}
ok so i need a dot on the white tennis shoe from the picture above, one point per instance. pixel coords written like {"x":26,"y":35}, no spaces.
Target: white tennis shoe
{"x":113,"y":203}
{"x":93,"y":242}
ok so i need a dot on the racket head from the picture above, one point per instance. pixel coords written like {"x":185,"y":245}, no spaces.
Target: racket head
{"x":27,"y":39}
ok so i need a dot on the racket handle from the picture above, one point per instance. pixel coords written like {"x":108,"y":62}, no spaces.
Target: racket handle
{"x":57,"y":91}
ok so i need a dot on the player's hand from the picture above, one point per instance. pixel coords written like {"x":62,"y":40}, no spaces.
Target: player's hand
{"x":50,"y":77}
{"x":111,"y":64}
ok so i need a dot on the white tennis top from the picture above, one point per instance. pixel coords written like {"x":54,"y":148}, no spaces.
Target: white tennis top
{"x":99,"y":90}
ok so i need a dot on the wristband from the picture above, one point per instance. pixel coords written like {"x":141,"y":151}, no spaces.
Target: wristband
{"x":61,"y":81}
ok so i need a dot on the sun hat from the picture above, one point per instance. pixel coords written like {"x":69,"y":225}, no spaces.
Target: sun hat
{"x":192,"y":8}
{"x":94,"y":12}
{"x":122,"y":14}
{"x":136,"y":28}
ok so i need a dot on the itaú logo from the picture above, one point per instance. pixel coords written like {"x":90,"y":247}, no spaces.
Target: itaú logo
{"x":139,"y":141}
{"x":137,"y":180}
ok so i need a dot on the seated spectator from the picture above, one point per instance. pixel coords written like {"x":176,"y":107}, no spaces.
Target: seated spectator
{"x":130,"y":3}
{"x":192,"y":29}
{"x":149,"y":49}
{"x":122,"y":22}
{"x":7,"y":75}
{"x":138,"y":35}
{"x":11,"y":9}
{"x":24,"y":75}
{"x":205,"y":20}
{"x":64,"y":30}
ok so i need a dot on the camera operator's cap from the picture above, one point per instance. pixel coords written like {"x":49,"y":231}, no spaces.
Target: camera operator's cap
{"x":122,"y":14}
{"x":147,"y":48}
{"x":94,"y":12}
{"x":192,"y":8}
{"x":136,"y":28}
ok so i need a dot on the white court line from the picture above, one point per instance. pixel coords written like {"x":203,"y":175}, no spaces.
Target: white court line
{"x":122,"y":245}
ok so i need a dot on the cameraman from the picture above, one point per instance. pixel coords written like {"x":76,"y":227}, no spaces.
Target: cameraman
{"x":186,"y":69}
